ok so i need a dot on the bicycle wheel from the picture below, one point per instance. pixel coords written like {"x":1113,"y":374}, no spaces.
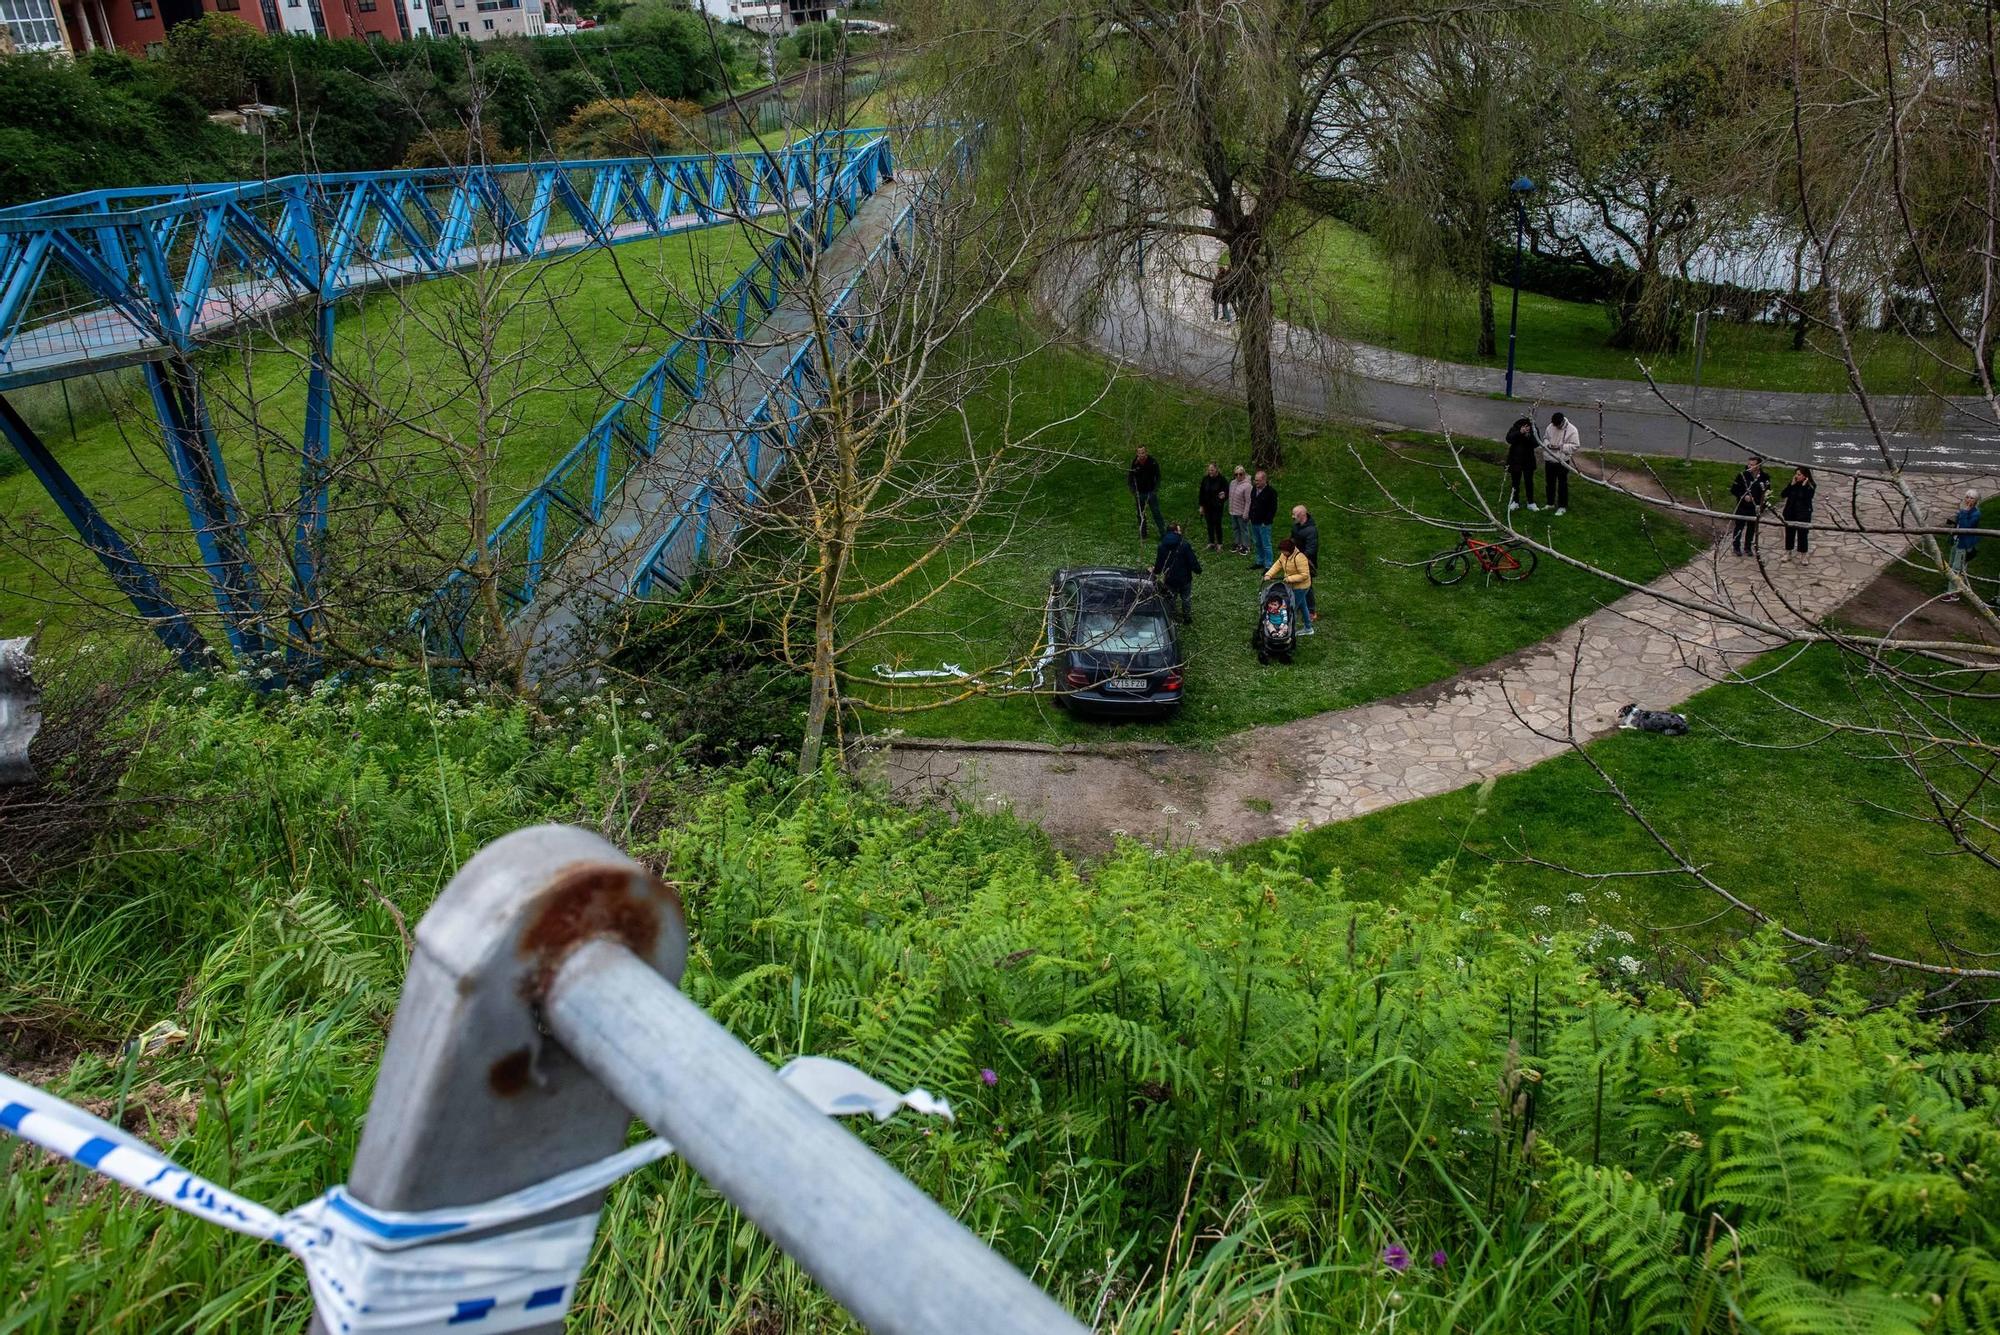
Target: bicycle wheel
{"x":1527,"y":556}
{"x":1449,"y":567}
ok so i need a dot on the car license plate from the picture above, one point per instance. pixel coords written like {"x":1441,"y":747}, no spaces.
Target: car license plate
{"x":1127,"y":684}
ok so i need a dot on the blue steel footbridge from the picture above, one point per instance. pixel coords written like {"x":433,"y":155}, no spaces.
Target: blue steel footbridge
{"x":152,"y":277}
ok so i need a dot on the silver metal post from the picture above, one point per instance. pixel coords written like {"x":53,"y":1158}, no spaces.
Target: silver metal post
{"x":1694,"y":404}
{"x":887,"y":1252}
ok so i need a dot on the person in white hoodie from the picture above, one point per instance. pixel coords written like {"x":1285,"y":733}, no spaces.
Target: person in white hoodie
{"x":1559,"y":446}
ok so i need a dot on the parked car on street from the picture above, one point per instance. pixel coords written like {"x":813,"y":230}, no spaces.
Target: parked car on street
{"x":1112,"y":645}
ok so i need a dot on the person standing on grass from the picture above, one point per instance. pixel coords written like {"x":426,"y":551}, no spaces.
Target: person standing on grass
{"x":1175,"y":565}
{"x":1239,"y":511}
{"x":1263,"y":514}
{"x":1292,"y":567}
{"x":1752,"y":490}
{"x":1796,"y":501}
{"x":1963,"y":543}
{"x":1213,"y":497}
{"x":1559,"y":446}
{"x":1522,"y":442}
{"x":1305,"y":534}
{"x":1142,"y":479}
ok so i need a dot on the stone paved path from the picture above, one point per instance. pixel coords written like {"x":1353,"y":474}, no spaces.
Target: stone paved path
{"x":1654,"y":648}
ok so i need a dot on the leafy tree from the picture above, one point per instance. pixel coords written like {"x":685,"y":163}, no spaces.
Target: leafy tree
{"x":630,"y":127}
{"x":1633,"y":151}
{"x":100,"y":121}
{"x":1158,"y":122}
{"x":219,"y":60}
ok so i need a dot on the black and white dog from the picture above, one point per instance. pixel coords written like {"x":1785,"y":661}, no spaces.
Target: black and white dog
{"x":1653,"y":720}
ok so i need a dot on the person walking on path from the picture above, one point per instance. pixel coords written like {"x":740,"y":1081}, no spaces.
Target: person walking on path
{"x":1796,"y":501}
{"x":1522,"y":443}
{"x":1213,"y":497}
{"x":1219,"y":291}
{"x":1559,"y":446}
{"x":1752,"y":490}
{"x":1263,"y":514}
{"x":1963,"y":544}
{"x":1143,"y":480}
{"x":1239,"y":511}
{"x":1305,"y":534}
{"x":1296,"y":571}
{"x":1175,"y":565}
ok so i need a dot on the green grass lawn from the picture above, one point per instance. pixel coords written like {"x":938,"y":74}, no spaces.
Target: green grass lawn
{"x":1802,"y":832}
{"x":574,"y":333}
{"x":1383,"y":628}
{"x":1342,"y":282}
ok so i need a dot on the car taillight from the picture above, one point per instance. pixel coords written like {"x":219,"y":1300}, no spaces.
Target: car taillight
{"x":1077,"y":677}
{"x":1173,"y":682}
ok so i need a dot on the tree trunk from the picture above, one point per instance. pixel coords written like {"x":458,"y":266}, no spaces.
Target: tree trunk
{"x":1253,"y":315}
{"x":1489,"y":343}
{"x":822,"y":698}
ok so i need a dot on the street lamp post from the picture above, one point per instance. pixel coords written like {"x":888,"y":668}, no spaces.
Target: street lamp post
{"x":1521,"y":188}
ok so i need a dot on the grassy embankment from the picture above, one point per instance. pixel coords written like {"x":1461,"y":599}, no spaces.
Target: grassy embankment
{"x":1340,"y":280}
{"x":1383,"y":628}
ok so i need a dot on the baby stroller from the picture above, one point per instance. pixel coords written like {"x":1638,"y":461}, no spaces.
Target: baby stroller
{"x":1276,"y":633}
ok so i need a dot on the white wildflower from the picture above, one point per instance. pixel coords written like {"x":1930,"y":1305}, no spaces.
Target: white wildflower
{"x":1540,"y":910}
{"x":1628,"y":964}
{"x":199,"y":692}
{"x":1573,"y":898}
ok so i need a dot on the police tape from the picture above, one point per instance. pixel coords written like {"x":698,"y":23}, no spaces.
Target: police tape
{"x":448,"y":1271}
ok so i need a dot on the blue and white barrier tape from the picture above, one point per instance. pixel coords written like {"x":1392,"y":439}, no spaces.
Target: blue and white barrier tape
{"x":412,"y":1273}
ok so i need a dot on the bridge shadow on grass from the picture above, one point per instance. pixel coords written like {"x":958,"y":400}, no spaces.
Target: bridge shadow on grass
{"x":1383,"y":629}
{"x":1809,"y":834}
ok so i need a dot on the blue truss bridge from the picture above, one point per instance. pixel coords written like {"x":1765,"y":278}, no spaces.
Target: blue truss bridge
{"x":150,"y":277}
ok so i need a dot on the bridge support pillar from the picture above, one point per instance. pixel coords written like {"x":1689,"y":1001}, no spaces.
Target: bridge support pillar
{"x":134,"y":578}
{"x":211,"y":506}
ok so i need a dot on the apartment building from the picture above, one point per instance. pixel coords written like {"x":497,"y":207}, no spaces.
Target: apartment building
{"x":778,"y":16}
{"x":140,"y":26}
{"x":482,"y":20}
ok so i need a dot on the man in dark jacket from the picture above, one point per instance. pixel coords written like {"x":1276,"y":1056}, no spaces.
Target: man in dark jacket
{"x":1305,"y":536}
{"x":1143,"y":480}
{"x":1521,"y":445}
{"x":1752,"y":490}
{"x":1263,"y":514}
{"x":1175,"y":565}
{"x":1213,"y":497}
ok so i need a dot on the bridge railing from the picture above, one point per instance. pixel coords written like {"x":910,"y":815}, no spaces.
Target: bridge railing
{"x":527,"y":544}
{"x":714,"y":509}
{"x":121,"y":275}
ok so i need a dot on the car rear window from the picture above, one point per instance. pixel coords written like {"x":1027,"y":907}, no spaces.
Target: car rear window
{"x":1119,"y":631}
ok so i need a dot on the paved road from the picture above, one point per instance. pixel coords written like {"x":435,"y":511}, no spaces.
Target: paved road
{"x":1165,"y":325}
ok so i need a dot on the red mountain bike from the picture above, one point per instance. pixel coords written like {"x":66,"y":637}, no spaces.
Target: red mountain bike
{"x":1507,"y":559}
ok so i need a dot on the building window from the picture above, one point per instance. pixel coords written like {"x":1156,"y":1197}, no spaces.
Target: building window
{"x":154,"y":50}
{"x":270,"y":9}
{"x":32,"y":23}
{"x":366,"y":6}
{"x":142,"y":9}
{"x":228,"y":6}
{"x":488,"y":23}
{"x":464,"y":26}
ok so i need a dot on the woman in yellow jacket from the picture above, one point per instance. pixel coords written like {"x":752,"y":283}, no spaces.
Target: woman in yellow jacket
{"x":1296,"y":571}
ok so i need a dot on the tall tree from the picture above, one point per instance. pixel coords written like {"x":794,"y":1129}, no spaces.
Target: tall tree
{"x":1152,"y":121}
{"x":1634,"y":148}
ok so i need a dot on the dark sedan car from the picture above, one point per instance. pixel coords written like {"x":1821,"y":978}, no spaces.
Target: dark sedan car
{"x":1113,"y":648}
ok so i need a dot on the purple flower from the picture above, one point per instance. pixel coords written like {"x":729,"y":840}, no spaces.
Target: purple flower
{"x":1439,"y":1259}
{"x":1396,"y":1256}
{"x":989,"y":1076}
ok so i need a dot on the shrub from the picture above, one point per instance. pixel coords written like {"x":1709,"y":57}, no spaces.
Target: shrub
{"x":1190,"y":1096}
